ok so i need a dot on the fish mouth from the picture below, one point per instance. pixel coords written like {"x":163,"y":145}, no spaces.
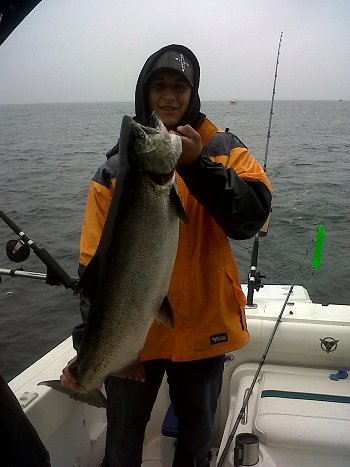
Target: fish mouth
{"x":155,"y":120}
{"x":157,"y":123}
{"x":154,"y":150}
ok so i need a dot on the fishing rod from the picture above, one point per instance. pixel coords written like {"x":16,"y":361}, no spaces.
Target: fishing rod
{"x":315,"y":264}
{"x":255,"y":283}
{"x":254,"y":276}
{"x":255,"y":279}
{"x":19,"y":250}
{"x":272,"y":103}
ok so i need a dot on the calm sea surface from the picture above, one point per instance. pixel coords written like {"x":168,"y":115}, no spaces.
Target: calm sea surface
{"x":49,"y":153}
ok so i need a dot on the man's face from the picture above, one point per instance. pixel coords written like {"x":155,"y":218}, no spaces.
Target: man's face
{"x":169,"y":95}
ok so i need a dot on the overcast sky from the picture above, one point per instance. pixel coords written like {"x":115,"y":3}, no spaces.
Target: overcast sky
{"x":88,"y":50}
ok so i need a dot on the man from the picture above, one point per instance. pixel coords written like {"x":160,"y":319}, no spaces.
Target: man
{"x":225,"y":193}
{"x":19,"y":441}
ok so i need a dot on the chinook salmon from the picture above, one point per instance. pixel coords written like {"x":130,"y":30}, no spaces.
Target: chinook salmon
{"x":127,"y":280}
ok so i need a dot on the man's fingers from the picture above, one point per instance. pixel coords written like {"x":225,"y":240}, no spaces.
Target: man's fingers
{"x":71,"y":383}
{"x":68,"y":380}
{"x":187,"y":130}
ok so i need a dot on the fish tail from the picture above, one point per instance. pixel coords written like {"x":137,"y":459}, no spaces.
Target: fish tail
{"x":93,"y":397}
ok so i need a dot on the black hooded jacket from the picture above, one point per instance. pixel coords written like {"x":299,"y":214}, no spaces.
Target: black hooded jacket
{"x":193,"y":116}
{"x":240,"y":207}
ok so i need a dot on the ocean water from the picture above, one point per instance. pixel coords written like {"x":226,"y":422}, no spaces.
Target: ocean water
{"x":49,"y":152}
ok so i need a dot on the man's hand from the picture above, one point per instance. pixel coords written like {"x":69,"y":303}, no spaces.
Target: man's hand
{"x":191,"y":145}
{"x":68,"y":380}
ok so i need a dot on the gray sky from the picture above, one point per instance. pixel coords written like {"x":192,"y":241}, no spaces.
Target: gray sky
{"x":88,"y":50}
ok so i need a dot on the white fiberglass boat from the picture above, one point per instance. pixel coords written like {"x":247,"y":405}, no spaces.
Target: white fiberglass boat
{"x":299,"y":408}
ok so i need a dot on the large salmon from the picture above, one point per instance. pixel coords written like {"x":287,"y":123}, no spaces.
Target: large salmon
{"x":127,"y":280}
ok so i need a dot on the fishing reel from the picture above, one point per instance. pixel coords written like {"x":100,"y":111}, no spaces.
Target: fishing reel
{"x":255,"y":283}
{"x":17,"y":251}
{"x":254,"y":276}
{"x":257,"y":278}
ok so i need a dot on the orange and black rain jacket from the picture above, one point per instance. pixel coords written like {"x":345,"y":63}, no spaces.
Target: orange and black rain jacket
{"x":225,"y":194}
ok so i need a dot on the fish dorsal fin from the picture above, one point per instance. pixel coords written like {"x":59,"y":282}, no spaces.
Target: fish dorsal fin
{"x":88,"y":283}
{"x":176,"y":201}
{"x":165,"y":314}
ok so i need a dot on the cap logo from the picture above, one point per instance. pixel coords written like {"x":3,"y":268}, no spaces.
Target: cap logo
{"x":183,"y":62}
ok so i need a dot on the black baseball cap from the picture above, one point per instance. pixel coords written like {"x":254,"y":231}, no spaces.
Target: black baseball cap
{"x":176,"y":61}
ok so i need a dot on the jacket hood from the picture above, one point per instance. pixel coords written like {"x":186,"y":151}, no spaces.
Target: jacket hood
{"x":193,"y":116}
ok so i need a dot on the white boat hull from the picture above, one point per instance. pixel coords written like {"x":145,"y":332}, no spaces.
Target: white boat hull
{"x":74,"y":433}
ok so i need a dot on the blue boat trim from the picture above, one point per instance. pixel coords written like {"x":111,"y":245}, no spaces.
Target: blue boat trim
{"x":306,"y":396}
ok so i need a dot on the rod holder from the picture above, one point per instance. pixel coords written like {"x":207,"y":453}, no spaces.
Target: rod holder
{"x":246,"y":450}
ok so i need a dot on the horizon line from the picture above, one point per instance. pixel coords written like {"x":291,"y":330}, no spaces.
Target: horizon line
{"x":202,"y":100}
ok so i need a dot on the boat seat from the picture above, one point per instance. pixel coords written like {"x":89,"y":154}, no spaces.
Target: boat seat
{"x":304,"y":412}
{"x":169,"y":437}
{"x":169,"y":427}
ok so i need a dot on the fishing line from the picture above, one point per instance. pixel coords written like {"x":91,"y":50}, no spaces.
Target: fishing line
{"x":263,"y":358}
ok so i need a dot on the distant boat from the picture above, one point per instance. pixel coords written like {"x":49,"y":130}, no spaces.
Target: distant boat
{"x":233,"y":101}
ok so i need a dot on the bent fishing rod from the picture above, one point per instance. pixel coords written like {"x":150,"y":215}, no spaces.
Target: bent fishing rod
{"x":19,"y":250}
{"x":254,"y":276}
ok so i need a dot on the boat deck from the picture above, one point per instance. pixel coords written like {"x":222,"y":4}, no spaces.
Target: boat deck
{"x":74,"y":433}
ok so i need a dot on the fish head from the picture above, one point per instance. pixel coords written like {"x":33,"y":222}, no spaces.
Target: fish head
{"x":153,"y":149}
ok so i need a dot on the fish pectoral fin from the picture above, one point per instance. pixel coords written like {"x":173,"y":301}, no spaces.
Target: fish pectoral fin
{"x":133,"y":371}
{"x":165,"y":314}
{"x":93,"y":397}
{"x":180,"y":210}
